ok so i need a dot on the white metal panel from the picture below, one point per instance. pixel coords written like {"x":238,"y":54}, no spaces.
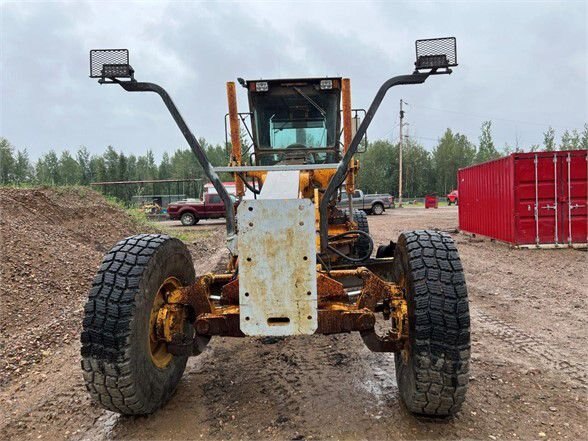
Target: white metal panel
{"x":280,"y":185}
{"x":277,"y":270}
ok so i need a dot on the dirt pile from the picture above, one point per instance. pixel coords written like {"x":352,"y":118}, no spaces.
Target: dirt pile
{"x":52,"y":241}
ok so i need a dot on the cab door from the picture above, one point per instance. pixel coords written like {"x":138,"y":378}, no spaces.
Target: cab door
{"x":214,"y":206}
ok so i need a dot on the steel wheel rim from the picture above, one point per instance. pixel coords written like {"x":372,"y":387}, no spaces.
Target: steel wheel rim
{"x":157,"y":348}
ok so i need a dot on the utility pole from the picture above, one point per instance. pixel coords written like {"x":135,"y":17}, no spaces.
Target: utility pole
{"x":400,"y":156}
{"x":406,"y":166}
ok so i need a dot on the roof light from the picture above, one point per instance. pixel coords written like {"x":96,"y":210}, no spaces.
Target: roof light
{"x":326,"y":84}
{"x":261,"y":86}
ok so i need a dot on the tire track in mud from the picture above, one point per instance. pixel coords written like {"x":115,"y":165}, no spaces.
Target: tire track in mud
{"x":279,"y":385}
{"x":523,"y":342}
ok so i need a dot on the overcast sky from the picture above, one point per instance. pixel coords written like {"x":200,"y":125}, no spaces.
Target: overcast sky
{"x":523,"y":65}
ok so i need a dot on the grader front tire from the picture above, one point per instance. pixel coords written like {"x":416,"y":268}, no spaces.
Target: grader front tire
{"x":125,"y":370}
{"x":432,"y":371}
{"x":362,"y":246}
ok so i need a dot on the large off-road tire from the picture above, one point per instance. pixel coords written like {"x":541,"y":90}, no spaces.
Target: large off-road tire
{"x":362,"y":246}
{"x":125,"y":370}
{"x":378,"y":209}
{"x":188,"y":219}
{"x":432,"y":371}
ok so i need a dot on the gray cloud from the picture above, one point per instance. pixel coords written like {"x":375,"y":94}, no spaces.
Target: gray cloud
{"x":522,"y":64}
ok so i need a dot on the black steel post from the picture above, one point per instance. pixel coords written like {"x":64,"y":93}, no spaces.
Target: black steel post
{"x":339,"y":176}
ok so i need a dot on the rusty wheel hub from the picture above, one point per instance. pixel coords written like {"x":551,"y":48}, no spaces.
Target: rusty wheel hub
{"x":160,"y":314}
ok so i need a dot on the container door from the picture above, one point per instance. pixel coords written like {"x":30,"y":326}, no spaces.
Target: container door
{"x":536,"y":200}
{"x":542,"y":212}
{"x":573,"y":202}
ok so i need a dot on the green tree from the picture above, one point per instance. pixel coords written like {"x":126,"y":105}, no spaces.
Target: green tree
{"x":165,"y":168}
{"x":584,"y":138}
{"x":7,"y":162}
{"x":69,"y":169}
{"x":23,"y":170}
{"x":47,"y":169}
{"x":184,"y":165}
{"x":98,"y":169}
{"x":453,"y":152}
{"x":571,"y":141}
{"x":549,"y":140}
{"x":378,"y":168}
{"x":417,"y":170}
{"x":132,"y":167}
{"x":122,"y":168}
{"x":83,"y":158}
{"x":486,"y":150}
{"x":111,"y":163}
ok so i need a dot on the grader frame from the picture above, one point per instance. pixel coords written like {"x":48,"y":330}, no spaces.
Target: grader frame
{"x":303,"y":275}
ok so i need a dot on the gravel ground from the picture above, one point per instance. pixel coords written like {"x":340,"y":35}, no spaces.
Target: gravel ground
{"x":528,"y":377}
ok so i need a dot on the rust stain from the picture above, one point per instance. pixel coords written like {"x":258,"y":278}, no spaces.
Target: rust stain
{"x":235,"y":134}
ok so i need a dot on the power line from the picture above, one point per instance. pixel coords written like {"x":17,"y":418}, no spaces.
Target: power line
{"x":488,"y":118}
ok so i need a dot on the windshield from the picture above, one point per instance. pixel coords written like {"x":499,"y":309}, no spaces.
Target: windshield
{"x":302,"y":133}
{"x":298,"y":117}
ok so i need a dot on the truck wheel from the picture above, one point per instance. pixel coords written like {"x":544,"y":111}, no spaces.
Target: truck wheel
{"x":188,"y":219}
{"x":125,"y":368}
{"x":363,"y":243}
{"x":432,"y":370}
{"x":377,"y":209}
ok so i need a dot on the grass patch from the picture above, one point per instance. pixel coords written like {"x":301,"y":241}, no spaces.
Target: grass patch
{"x":185,"y":234}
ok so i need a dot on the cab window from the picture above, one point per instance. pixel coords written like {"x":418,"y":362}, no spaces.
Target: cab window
{"x":214,"y":199}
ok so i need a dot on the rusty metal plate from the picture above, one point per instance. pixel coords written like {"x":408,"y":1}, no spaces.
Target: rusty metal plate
{"x":277,"y":270}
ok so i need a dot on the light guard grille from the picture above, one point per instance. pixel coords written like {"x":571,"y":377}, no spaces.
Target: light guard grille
{"x":436,"y":52}
{"x":110,"y":63}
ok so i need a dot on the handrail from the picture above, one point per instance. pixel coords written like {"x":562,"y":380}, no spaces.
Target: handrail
{"x":135,"y":86}
{"x":339,"y":176}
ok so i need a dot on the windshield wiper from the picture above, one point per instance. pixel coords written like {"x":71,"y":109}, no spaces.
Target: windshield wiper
{"x":311,"y":101}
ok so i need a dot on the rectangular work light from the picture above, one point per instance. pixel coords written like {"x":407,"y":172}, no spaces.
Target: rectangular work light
{"x":434,"y":53}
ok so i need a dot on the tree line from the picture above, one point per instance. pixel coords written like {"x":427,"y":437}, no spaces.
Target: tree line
{"x":435,"y":171}
{"x":423,"y":171}
{"x":82,"y":168}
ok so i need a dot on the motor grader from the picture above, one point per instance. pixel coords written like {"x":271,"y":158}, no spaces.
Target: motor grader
{"x":296,"y":264}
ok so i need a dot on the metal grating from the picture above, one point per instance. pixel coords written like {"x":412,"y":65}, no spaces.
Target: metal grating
{"x":436,"y":52}
{"x":109,"y":63}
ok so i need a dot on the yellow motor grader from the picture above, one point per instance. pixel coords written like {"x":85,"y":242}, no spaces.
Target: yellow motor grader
{"x":296,"y":263}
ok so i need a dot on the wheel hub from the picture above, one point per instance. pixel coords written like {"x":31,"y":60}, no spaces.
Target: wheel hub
{"x":160,"y":315}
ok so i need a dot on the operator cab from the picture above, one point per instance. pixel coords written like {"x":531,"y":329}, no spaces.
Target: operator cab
{"x":295,"y":121}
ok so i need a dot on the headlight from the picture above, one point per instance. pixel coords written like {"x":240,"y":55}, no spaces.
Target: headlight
{"x":261,"y":86}
{"x":326,"y":84}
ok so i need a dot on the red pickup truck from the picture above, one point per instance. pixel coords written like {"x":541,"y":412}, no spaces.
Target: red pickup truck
{"x":190,"y":211}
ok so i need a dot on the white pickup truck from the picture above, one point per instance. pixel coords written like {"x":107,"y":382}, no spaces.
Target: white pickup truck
{"x":370,"y":203}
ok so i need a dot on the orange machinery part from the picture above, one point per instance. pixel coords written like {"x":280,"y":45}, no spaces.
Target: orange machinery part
{"x":235,"y":134}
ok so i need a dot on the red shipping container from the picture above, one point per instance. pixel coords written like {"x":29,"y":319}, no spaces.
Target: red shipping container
{"x":431,"y":201}
{"x":527,"y":199}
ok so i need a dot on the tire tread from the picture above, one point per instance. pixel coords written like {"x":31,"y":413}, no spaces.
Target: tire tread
{"x":109,"y":310}
{"x":441,"y":343}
